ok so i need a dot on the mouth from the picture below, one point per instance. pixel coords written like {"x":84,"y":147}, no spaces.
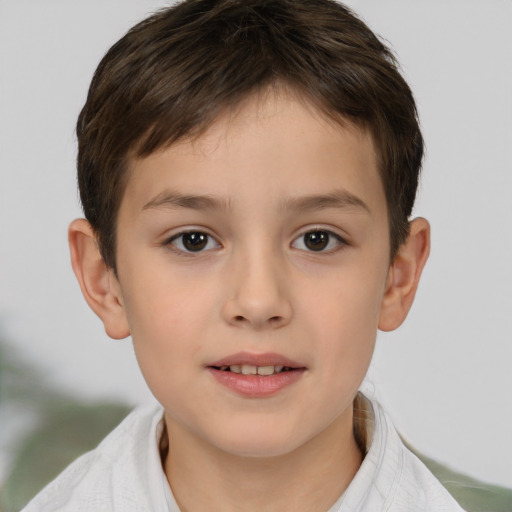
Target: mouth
{"x":250,"y":369}
{"x":248,"y":363}
{"x":256,"y":375}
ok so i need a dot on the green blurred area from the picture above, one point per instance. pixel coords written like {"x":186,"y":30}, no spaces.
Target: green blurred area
{"x":473,"y":495}
{"x":67,"y":427}
{"x":64,"y":427}
{"x":63,"y":435}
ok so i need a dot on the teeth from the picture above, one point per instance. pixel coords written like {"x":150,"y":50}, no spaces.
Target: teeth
{"x":250,"y":369}
{"x":265,"y":370}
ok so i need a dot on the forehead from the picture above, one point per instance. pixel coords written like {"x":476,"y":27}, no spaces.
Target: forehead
{"x":268,"y":111}
{"x":279,"y":138}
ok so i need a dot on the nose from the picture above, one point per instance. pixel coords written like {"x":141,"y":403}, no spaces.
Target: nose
{"x":258,"y":296}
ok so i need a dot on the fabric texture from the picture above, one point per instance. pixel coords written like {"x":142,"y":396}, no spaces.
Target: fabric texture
{"x":124,"y":474}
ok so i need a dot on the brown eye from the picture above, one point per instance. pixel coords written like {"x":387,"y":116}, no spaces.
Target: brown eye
{"x":319,"y":240}
{"x":316,"y":240}
{"x":193,"y":241}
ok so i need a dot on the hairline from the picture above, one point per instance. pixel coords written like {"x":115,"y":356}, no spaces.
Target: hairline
{"x":278,"y":86}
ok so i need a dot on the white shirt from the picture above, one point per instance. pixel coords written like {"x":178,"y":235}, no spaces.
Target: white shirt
{"x":392,"y":479}
{"x":124,"y":474}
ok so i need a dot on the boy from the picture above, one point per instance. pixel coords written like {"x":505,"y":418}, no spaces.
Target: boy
{"x":247,"y":170}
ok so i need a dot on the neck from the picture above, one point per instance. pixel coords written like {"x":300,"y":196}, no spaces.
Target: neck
{"x":314,"y":475}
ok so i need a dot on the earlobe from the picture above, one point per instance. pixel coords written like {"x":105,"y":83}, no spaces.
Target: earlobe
{"x":404,"y":275}
{"x":98,"y":283}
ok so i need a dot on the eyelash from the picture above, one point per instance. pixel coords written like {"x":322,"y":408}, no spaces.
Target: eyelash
{"x":339,"y":241}
{"x":182,"y":251}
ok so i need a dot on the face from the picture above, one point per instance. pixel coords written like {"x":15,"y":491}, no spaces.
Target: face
{"x":252,"y":263}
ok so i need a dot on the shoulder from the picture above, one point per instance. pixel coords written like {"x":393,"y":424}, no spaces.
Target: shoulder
{"x":415,"y":487}
{"x":103,"y":478}
{"x":391,"y":477}
{"x":420,"y":487}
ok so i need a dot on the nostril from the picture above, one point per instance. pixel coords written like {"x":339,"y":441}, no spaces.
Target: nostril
{"x":271,"y":320}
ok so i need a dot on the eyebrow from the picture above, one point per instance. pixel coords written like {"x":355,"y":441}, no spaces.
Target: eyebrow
{"x":341,"y":199}
{"x":337,"y":199}
{"x":169,"y":199}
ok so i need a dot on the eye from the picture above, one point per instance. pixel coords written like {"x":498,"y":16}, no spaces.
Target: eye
{"x":193,"y":241}
{"x":318,"y":240}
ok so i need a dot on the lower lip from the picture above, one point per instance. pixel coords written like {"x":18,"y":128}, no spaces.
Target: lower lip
{"x":256,"y":386}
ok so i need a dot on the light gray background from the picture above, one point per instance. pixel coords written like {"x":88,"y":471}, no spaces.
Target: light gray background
{"x":445,"y":376}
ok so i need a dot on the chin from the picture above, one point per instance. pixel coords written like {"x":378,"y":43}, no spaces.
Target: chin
{"x":258,"y":441}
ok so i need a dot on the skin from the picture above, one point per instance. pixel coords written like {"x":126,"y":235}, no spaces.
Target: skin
{"x":256,"y":287}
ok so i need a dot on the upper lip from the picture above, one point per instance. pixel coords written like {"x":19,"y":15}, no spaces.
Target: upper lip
{"x":264,"y":359}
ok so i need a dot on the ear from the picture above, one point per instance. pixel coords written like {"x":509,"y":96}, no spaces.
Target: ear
{"x":98,"y":283}
{"x":404,"y":276}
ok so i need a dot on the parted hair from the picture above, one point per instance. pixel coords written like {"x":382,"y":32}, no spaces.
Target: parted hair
{"x":175,"y":72}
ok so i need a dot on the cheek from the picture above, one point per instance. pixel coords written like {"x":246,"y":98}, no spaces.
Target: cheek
{"x":166,"y":318}
{"x":164,"y":303}
{"x":345,"y":320}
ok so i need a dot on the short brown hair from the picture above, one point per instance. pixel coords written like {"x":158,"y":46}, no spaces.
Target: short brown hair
{"x":172,"y":74}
